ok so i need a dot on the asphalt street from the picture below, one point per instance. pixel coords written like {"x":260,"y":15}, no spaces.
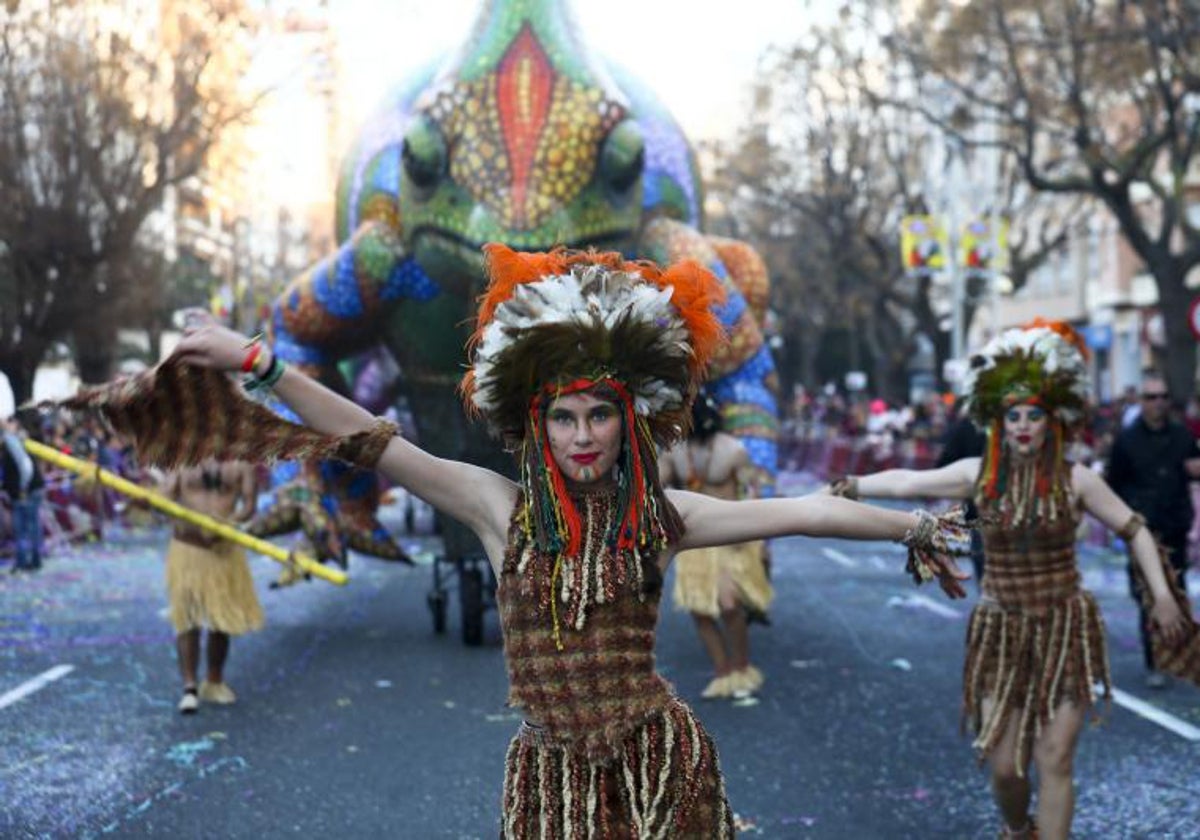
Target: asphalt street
{"x":355,"y":719}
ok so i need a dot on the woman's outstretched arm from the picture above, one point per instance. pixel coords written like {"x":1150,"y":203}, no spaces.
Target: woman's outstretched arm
{"x":477,"y":497}
{"x":710,"y":521}
{"x":953,"y":481}
{"x":1100,"y":501}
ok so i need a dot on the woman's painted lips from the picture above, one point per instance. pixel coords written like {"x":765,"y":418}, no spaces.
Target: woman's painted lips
{"x":585,"y":458}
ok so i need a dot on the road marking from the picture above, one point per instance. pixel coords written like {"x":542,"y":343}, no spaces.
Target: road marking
{"x":36,"y":684}
{"x":837,"y":556}
{"x":1156,"y":715}
{"x":924,"y":602}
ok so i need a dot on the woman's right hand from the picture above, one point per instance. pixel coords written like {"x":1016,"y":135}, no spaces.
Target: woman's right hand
{"x":206,"y":343}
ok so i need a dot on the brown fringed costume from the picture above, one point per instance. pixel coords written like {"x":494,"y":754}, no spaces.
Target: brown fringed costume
{"x":608,"y":751}
{"x":179,"y":414}
{"x":1035,"y":638}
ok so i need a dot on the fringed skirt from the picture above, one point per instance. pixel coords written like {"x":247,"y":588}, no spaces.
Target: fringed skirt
{"x":1028,"y":662}
{"x":211,"y":587}
{"x":698,"y":575}
{"x":664,"y":783}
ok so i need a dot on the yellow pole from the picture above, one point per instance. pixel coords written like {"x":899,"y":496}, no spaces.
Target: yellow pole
{"x":208,"y":523}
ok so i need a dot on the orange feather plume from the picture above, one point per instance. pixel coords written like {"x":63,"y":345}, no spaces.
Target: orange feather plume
{"x":696,"y":289}
{"x":696,"y":292}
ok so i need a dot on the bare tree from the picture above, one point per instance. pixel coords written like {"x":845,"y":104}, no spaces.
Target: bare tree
{"x":827,"y":173}
{"x":101,"y":111}
{"x":1092,"y":99}
{"x":835,"y":152}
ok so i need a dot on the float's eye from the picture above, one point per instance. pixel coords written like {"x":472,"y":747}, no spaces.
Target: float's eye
{"x":424,"y":153}
{"x":623,"y":157}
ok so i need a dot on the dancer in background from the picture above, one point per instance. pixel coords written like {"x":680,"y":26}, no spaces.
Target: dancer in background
{"x":1036,"y":641}
{"x":208,"y":580}
{"x":720,"y":584}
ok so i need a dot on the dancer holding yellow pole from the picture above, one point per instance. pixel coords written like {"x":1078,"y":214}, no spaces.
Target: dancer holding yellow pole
{"x":208,"y":580}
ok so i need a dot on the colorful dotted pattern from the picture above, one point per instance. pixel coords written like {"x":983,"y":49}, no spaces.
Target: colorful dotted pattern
{"x":408,"y":280}
{"x":525,"y":137}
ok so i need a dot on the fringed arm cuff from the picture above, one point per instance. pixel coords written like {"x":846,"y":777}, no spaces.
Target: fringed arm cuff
{"x":846,"y":487}
{"x":932,"y":542}
{"x":1130,"y":529}
{"x":365,"y":448}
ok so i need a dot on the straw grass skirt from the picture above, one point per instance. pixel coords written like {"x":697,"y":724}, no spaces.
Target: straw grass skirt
{"x":698,"y":575}
{"x":211,"y":587}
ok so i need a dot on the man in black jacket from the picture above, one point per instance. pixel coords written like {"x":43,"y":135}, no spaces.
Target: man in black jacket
{"x":1152,"y":462}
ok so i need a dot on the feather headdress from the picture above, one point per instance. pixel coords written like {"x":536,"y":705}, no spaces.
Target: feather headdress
{"x":554,"y":318}
{"x":1043,"y":362}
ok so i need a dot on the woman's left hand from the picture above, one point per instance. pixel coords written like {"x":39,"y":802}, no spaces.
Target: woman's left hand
{"x":1169,"y":619}
{"x":950,"y":577}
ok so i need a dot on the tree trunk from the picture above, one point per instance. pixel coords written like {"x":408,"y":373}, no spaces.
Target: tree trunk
{"x":95,"y":350}
{"x":19,"y":379}
{"x":20,"y":366}
{"x":809,"y":339}
{"x":866,"y":333}
{"x":1180,"y":358}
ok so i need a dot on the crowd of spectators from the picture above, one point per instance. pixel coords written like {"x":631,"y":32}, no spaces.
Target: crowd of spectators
{"x":830,"y":433}
{"x":75,"y":507}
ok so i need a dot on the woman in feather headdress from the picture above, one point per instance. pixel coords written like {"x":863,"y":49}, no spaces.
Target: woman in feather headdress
{"x":1035,"y":644}
{"x":582,"y":363}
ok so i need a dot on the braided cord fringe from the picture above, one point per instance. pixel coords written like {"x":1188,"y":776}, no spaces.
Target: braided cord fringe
{"x":932,"y":539}
{"x":664,"y":784}
{"x":1028,"y":664}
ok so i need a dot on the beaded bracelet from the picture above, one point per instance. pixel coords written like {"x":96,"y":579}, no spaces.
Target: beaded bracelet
{"x":251,"y":356}
{"x":267,"y":380}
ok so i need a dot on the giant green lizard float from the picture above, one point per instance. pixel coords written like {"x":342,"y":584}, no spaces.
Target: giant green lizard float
{"x":526,"y":137}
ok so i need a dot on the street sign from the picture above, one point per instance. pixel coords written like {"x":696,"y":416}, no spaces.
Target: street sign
{"x":1098,"y":336}
{"x":923,"y":243}
{"x":1194,"y":317}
